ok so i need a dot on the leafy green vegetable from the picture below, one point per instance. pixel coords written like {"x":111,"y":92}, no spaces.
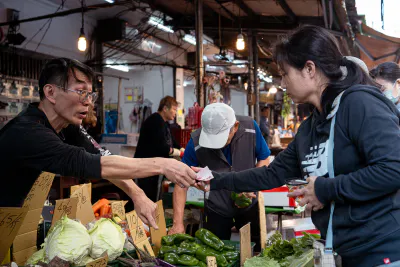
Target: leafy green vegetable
{"x":36,"y":257}
{"x":304,"y":260}
{"x":107,"y":236}
{"x":68,"y":240}
{"x":279,"y":249}
{"x":261,"y":262}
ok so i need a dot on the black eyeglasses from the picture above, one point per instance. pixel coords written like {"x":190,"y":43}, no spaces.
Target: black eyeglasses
{"x":84,"y":95}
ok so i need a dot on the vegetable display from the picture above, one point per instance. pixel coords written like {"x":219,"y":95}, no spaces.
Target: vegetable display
{"x":182,"y":249}
{"x":69,"y":240}
{"x":106,"y":236}
{"x":297,"y":252}
{"x":209,"y":239}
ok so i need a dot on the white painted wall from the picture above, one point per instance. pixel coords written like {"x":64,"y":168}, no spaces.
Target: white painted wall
{"x":62,"y":36}
{"x":239,"y":102}
{"x":150,"y":79}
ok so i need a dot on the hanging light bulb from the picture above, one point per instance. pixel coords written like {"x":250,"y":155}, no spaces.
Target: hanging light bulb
{"x":82,"y":41}
{"x":240,"y":42}
{"x":273,"y":90}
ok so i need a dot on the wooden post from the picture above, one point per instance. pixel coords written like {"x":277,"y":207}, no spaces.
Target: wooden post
{"x":245,"y":246}
{"x":263,"y":220}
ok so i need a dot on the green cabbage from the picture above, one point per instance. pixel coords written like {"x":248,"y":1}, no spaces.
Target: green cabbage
{"x":36,"y":257}
{"x":69,"y":240}
{"x":106,"y":236}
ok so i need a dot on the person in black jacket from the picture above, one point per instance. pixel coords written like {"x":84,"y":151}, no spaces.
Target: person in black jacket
{"x":155,"y":140}
{"x":366,"y":150}
{"x":48,"y":136}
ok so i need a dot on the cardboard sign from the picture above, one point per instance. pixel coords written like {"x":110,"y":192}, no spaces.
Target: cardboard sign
{"x":39,"y":191}
{"x":146,"y":247}
{"x":63,"y":207}
{"x":211,"y":261}
{"x":22,"y":256}
{"x":136,"y":226}
{"x":84,"y":209}
{"x":245,"y":245}
{"x":156,"y":235}
{"x":117,"y":208}
{"x":100,"y":262}
{"x":76,"y":187}
{"x":11,"y":220}
{"x":263,"y":220}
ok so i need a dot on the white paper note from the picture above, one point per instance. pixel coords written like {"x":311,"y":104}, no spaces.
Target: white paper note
{"x":204,"y":174}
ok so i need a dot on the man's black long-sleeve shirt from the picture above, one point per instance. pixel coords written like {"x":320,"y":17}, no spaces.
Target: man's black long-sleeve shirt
{"x":30,"y":145}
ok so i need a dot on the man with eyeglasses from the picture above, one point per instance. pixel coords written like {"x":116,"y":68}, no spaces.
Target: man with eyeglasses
{"x":226,"y":142}
{"x":48,"y":136}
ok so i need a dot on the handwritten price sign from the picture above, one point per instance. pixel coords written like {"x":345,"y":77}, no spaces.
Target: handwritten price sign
{"x":118,"y":209}
{"x":11,"y":220}
{"x":84,"y":211}
{"x":39,"y":191}
{"x":136,"y":226}
{"x":156,"y":235}
{"x":63,"y":207}
{"x":100,"y":262}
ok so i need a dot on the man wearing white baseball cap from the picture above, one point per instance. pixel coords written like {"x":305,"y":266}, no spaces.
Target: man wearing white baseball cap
{"x":225,"y":143}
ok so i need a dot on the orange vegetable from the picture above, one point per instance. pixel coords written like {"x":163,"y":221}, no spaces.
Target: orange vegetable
{"x":128,"y":232}
{"x":108,"y":209}
{"x":103,"y":210}
{"x":96,"y":207}
{"x":96,"y":215}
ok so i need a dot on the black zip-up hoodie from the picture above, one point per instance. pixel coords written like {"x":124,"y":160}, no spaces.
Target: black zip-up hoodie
{"x":366,"y":221}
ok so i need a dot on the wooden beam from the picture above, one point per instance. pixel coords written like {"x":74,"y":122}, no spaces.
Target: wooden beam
{"x":233,"y":17}
{"x":260,"y":22}
{"x":246,"y":9}
{"x":66,"y":13}
{"x":288,"y":10}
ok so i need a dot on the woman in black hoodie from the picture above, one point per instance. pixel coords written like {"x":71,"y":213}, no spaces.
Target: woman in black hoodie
{"x":364,"y":178}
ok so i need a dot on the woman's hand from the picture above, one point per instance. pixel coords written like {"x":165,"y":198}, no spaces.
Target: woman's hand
{"x":309,"y":196}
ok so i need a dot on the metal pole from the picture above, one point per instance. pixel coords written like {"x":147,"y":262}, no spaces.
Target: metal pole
{"x":118,"y":105}
{"x":256,"y":89}
{"x":199,"y":52}
{"x":251,"y":71}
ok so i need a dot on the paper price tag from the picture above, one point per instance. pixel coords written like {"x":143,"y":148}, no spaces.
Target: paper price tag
{"x":39,"y":191}
{"x":100,"y":262}
{"x":76,"y":187}
{"x":204,"y":175}
{"x":11,"y":220}
{"x":84,"y":211}
{"x":211,"y":261}
{"x":118,"y":209}
{"x":156,"y":235}
{"x":136,"y":226}
{"x":63,"y":207}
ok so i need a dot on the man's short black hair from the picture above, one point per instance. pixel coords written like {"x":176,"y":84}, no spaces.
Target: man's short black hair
{"x":265,"y":108}
{"x":56,"y":72}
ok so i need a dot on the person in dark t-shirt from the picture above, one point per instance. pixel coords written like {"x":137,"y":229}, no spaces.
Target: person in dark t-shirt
{"x":155,"y":140}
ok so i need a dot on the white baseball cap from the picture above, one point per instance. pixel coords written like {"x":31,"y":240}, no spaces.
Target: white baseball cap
{"x":216,"y":122}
